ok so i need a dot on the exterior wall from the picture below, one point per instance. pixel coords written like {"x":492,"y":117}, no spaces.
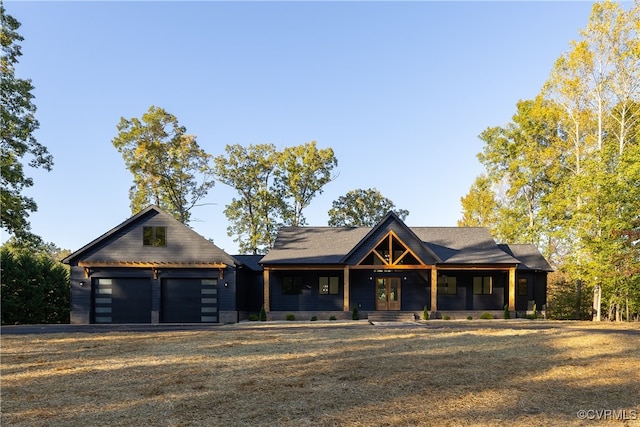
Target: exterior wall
{"x":80,"y":297}
{"x":249,"y":291}
{"x":361,"y":290}
{"x":465,"y":299}
{"x":309,"y":299}
{"x":540,"y":289}
{"x":183,"y":244}
{"x":82,"y":289}
{"x":415,"y":292}
{"x":415,"y":289}
{"x":536,"y":290}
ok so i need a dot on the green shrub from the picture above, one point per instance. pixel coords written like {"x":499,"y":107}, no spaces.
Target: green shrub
{"x":314,"y":318}
{"x":469,"y":317}
{"x":254,"y":317}
{"x":35,"y":288}
{"x":446,"y":318}
{"x":332,"y":317}
{"x":507,"y":313}
{"x":425,"y":313}
{"x":486,"y":315}
{"x":291,"y":316}
{"x":263,"y":315}
{"x":355,"y":315}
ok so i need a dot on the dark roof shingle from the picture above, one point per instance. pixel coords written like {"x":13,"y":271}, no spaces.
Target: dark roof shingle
{"x":329,"y":245}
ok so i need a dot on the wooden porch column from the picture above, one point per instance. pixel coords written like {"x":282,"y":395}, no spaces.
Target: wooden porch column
{"x":267,"y":286}
{"x":512,"y":289}
{"x":434,"y":289}
{"x":345,"y":303}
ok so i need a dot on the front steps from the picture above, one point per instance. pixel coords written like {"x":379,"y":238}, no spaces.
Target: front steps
{"x":391,"y":316}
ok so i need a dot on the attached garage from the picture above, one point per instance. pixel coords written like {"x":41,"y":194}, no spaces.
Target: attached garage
{"x":153,"y":269}
{"x":121,"y":300}
{"x":188,"y":300}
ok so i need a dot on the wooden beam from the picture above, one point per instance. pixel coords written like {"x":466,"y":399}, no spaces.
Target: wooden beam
{"x":392,"y":267}
{"x":308,"y":268}
{"x":434,"y":289}
{"x":512,"y":289}
{"x":345,"y":304}
{"x":267,"y":287}
{"x":147,"y":264}
{"x":470,"y":267}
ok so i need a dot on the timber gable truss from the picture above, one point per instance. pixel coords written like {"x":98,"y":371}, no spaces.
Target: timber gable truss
{"x":391,"y":252}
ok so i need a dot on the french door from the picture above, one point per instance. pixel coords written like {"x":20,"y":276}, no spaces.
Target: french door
{"x":388,"y":293}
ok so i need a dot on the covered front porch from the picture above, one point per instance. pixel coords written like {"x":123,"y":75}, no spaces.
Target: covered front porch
{"x":343,"y":288}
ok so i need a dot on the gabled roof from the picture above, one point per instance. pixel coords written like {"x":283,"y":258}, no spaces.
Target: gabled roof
{"x":95,"y":250}
{"x":529,"y":256}
{"x":314,"y":245}
{"x":390,"y":219}
{"x":335,"y":245}
{"x":463,"y":245}
{"x":250,"y":261}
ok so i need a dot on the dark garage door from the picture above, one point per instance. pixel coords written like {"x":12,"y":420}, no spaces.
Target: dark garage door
{"x":189,"y":300}
{"x":122,"y":300}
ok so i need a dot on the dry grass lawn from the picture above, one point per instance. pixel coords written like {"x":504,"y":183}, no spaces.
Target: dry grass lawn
{"x":325,"y":374}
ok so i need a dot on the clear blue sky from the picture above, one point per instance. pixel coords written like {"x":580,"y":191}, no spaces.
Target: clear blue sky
{"x":400,"y":91}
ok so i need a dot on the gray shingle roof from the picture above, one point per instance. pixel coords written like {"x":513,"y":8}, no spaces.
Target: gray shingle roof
{"x":528,"y":255}
{"x":200,"y":250}
{"x":463,"y":245}
{"x":251,"y":261}
{"x":314,"y":245}
{"x":329,"y":245}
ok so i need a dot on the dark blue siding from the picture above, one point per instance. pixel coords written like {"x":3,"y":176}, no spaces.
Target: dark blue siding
{"x":465,"y":299}
{"x":361,"y":290}
{"x":227,"y":291}
{"x":416,"y":292}
{"x":309,"y":298}
{"x":80,"y":296}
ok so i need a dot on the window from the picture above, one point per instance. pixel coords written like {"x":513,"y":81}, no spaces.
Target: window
{"x":154,"y":236}
{"x":523,"y":287}
{"x":447,"y":285}
{"x":291,"y":285}
{"x":329,"y":285}
{"x":483,"y":285}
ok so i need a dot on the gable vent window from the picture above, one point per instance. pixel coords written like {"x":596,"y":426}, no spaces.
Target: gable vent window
{"x":154,"y":236}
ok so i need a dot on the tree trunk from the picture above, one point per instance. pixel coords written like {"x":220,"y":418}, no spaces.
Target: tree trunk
{"x":578,"y":298}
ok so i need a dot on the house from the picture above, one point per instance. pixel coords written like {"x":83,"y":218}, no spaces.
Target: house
{"x":325,"y":271}
{"x":154,"y":269}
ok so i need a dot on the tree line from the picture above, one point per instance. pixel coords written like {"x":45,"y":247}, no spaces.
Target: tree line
{"x":274,"y":187}
{"x":564,"y":173}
